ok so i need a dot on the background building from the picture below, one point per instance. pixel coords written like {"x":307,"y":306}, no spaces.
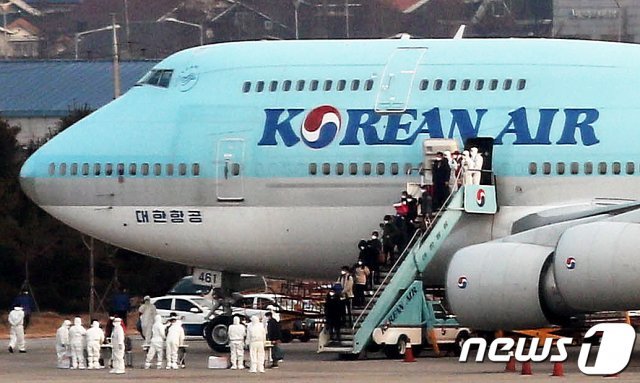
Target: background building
{"x":609,"y":20}
{"x":35,"y":94}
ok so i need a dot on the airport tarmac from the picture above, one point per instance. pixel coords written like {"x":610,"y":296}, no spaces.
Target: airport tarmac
{"x":301,"y":364}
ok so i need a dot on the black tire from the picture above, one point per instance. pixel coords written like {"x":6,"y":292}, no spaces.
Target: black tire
{"x":460,"y":339}
{"x":216,"y":333}
{"x":396,"y":351}
{"x":286,"y":336}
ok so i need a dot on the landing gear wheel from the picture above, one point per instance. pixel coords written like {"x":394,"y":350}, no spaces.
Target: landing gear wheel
{"x":216,"y":333}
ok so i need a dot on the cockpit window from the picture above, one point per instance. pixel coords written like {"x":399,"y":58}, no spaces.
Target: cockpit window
{"x":165,"y":79}
{"x":157,"y":77}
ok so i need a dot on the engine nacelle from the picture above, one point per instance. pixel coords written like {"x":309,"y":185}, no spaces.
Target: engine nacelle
{"x":496,"y":285}
{"x":597,"y":266}
{"x":508,"y":286}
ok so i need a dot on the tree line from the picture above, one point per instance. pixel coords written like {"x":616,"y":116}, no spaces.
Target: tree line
{"x":36,"y":247}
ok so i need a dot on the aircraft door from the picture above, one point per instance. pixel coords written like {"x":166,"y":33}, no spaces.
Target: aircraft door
{"x":230,"y":166}
{"x":485,"y":147}
{"x":397,"y":80}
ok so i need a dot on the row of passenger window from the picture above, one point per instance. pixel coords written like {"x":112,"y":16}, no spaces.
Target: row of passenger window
{"x":480,"y":84}
{"x":587,"y":168}
{"x":301,"y":85}
{"x":355,"y":85}
{"x":366,"y":169}
{"x":120,"y":169}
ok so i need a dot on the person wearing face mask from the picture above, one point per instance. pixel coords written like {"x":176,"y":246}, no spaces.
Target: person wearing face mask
{"x":156,"y":343}
{"x":77,"y":335}
{"x":375,"y":251}
{"x":346,"y":280}
{"x":62,"y":344}
{"x":237,"y":334}
{"x":475,"y":166}
{"x":334,"y":313}
{"x":388,"y":234}
{"x":453,"y":166}
{"x":426,"y":205}
{"x":441,"y":173}
{"x":363,"y":251}
{"x":95,"y":337}
{"x":412,"y":214}
{"x":457,"y":170}
{"x":402,"y":208}
{"x":361,"y":273}
{"x":466,"y":166}
{"x":256,"y":336}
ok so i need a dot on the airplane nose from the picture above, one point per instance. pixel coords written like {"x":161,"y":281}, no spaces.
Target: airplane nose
{"x":28,"y":179}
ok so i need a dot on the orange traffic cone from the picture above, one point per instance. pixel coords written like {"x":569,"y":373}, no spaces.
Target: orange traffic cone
{"x":558,"y":369}
{"x":511,"y":365}
{"x":526,"y":368}
{"x":408,"y":353}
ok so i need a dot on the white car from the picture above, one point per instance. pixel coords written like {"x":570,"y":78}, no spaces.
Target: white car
{"x":193,"y":310}
{"x":258,"y":304}
{"x":215,"y":331}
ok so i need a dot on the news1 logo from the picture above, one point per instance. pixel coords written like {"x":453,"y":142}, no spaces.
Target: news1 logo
{"x":613,"y":355}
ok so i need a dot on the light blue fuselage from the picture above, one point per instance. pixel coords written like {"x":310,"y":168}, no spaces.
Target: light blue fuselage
{"x":249,"y":200}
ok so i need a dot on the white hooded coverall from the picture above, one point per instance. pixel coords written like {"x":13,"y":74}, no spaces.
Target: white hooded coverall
{"x":16,"y":333}
{"x":95,"y":337}
{"x":256,"y":336}
{"x":476,"y":166}
{"x":237,"y":333}
{"x":62,"y":342}
{"x":148,"y":313}
{"x":175,"y":338}
{"x":117,"y":347}
{"x":77,"y":335}
{"x":156,"y":344}
{"x":467,"y":164}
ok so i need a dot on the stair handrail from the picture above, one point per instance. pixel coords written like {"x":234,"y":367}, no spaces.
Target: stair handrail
{"x":419,"y":234}
{"x":396,"y":264}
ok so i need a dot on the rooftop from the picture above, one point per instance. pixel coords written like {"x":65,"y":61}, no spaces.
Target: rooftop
{"x":51,"y":88}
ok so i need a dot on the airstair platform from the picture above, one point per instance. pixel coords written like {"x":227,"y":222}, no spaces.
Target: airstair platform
{"x":421,"y":250}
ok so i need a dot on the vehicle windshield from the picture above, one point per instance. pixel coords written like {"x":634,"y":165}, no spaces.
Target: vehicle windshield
{"x":185,"y":286}
{"x":203,"y":302}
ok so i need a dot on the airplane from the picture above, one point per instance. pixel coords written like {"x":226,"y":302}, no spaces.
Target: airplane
{"x":276,"y":157}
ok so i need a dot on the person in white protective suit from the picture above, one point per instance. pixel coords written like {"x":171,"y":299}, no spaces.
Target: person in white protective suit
{"x":156,"y":344}
{"x":466,"y":165}
{"x":62,"y":343}
{"x":77,"y":335}
{"x":16,"y":333}
{"x":175,"y":338}
{"x":117,"y":347}
{"x":237,"y":333}
{"x":148,"y":313}
{"x":95,"y":337}
{"x":256,"y":336}
{"x":453,"y":165}
{"x":476,"y":165}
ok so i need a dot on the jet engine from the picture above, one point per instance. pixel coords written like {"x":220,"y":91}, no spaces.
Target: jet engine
{"x":508,"y":285}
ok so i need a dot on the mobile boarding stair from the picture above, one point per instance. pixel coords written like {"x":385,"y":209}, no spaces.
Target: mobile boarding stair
{"x":396,"y":287}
